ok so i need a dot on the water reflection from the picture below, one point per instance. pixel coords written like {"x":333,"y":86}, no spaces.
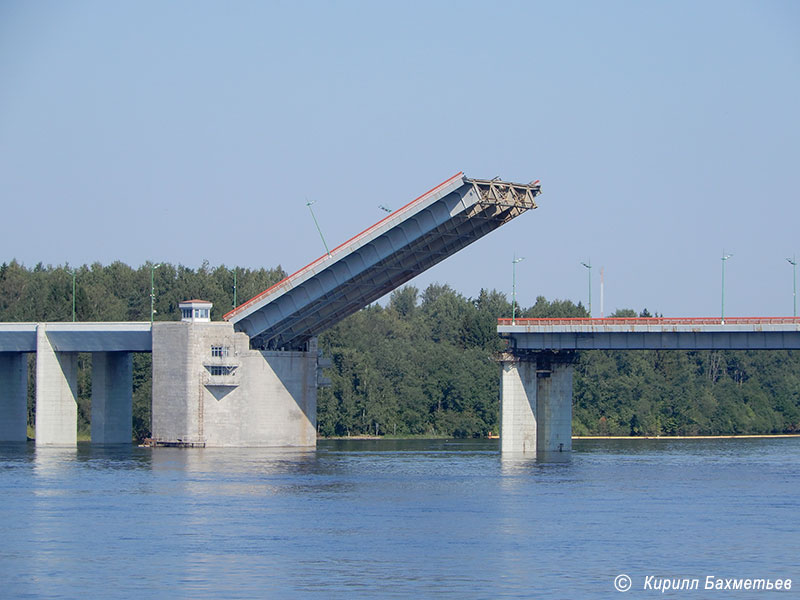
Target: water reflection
{"x":234,"y":471}
{"x":50,"y":461}
{"x":539,"y":458}
{"x":517,"y":463}
{"x":234,"y":461}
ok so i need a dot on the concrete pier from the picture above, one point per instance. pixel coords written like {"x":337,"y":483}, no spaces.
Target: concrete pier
{"x":13,"y":397}
{"x":112,"y":397}
{"x":554,"y":406}
{"x":536,"y":402}
{"x":56,"y":393}
{"x":211,"y":389}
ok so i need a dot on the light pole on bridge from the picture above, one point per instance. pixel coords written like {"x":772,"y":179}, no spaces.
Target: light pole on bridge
{"x":589,"y":268}
{"x":725,"y":258}
{"x":514,"y":288}
{"x":234,"y":287}
{"x":793,"y":262}
{"x":313,"y":216}
{"x":73,"y":295}
{"x":153,"y":290}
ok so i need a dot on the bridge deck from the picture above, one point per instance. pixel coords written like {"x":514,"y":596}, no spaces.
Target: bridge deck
{"x":750,"y":333}
{"x":78,"y":337}
{"x":404,"y":244}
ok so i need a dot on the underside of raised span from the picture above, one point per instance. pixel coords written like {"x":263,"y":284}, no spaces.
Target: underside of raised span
{"x":407,"y":242}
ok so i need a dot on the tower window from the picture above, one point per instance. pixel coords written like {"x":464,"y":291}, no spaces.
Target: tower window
{"x":219,"y":370}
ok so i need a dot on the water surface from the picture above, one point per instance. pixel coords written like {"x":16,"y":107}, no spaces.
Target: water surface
{"x":394,"y":519}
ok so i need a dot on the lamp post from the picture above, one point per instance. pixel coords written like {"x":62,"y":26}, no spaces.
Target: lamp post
{"x":234,"y":287}
{"x":153,"y":290}
{"x":514,"y":288}
{"x":793,"y":261}
{"x":725,"y":258}
{"x":308,"y":204}
{"x":73,"y":296}
{"x":589,"y":270}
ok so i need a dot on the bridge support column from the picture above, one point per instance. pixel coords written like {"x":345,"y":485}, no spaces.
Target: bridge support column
{"x":536,"y":402}
{"x":13,"y":397}
{"x":56,"y":393}
{"x":112,"y":397}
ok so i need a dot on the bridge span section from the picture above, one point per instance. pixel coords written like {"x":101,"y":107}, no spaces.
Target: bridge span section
{"x":56,"y":346}
{"x":536,"y":375}
{"x":769,"y":333}
{"x":404,"y":244}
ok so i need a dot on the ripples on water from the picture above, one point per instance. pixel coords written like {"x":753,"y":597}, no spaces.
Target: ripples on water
{"x":394,"y":519}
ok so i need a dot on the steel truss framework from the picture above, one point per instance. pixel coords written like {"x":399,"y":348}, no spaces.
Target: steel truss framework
{"x":383,"y":257}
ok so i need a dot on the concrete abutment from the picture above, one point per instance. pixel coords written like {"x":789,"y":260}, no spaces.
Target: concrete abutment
{"x":536,"y":402}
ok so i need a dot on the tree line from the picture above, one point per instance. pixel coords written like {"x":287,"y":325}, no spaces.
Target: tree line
{"x":425,"y":363}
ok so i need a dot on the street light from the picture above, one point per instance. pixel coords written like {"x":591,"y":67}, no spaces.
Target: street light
{"x":234,"y":287}
{"x":793,"y":261}
{"x":514,"y":288}
{"x":308,"y":204}
{"x":73,"y":296}
{"x":589,"y":269}
{"x":153,"y":290}
{"x":725,"y":258}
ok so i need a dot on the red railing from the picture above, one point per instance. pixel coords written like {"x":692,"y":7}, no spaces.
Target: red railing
{"x":654,"y":321}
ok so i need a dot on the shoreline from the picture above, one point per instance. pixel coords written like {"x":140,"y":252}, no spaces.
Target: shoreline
{"x":686,"y":437}
{"x":585,"y":437}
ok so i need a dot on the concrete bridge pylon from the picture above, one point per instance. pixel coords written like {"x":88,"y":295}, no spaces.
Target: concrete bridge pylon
{"x":537,"y":369}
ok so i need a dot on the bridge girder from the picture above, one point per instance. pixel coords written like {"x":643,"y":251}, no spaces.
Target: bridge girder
{"x":385,"y":256}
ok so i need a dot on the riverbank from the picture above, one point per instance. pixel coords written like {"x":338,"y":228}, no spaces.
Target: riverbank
{"x":577,"y":437}
{"x":683,"y":437}
{"x":387,"y":437}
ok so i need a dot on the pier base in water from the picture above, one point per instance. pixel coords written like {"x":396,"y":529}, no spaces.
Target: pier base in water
{"x":536,"y":402}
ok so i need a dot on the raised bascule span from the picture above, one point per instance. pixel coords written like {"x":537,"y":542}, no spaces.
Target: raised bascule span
{"x":404,"y":244}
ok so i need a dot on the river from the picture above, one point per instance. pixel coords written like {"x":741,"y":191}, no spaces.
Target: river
{"x":420,"y":518}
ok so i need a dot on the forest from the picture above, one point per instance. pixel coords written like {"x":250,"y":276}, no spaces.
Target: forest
{"x":425,"y":362}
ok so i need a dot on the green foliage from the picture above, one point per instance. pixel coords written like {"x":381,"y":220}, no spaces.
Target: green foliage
{"x":687,"y":393}
{"x":424,"y":365}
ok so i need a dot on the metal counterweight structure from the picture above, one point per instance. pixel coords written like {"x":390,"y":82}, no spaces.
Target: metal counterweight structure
{"x":407,"y":242}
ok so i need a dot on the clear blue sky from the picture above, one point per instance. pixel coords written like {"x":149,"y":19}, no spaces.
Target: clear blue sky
{"x":662,"y":133}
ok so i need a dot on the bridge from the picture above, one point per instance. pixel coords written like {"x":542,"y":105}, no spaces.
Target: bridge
{"x":250,"y":380}
{"x":56,"y":346}
{"x":536,"y":378}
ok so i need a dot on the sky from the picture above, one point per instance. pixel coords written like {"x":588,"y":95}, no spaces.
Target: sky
{"x":663,"y":133}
